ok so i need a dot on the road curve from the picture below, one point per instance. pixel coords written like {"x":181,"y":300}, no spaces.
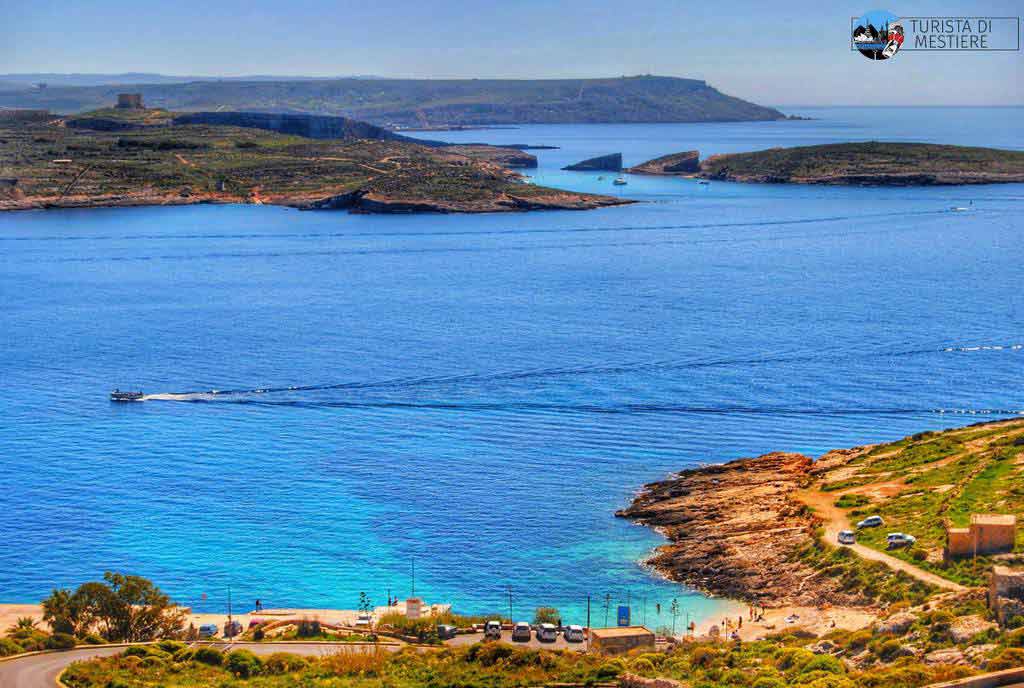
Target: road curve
{"x":835,"y":519}
{"x":42,"y":670}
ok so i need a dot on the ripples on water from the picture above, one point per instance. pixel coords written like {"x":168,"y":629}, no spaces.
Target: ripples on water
{"x":479,"y":393}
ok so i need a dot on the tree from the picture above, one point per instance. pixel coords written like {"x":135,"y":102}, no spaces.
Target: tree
{"x":124,"y":608}
{"x":364,"y":603}
{"x":674,"y":609}
{"x":546,"y":615}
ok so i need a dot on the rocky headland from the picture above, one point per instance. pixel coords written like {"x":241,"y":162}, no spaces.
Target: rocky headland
{"x":601,"y":163}
{"x":686,"y":163}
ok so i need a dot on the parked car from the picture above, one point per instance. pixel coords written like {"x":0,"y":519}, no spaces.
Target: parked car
{"x":521,"y":632}
{"x":847,"y":537}
{"x":446,"y":631}
{"x":492,"y":630}
{"x":573,"y":634}
{"x":207,"y":630}
{"x":900,"y":540}
{"x":547,"y":633}
{"x":364,"y":620}
{"x":871,"y":522}
{"x":232,"y":628}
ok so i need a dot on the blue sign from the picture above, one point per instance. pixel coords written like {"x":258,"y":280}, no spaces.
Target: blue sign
{"x":623,"y":615}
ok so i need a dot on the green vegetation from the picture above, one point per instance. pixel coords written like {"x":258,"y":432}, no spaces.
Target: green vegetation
{"x":780,"y":661}
{"x":870,"y":162}
{"x":100,"y":159}
{"x":425,"y":628}
{"x":924,"y":482}
{"x":120,"y":608}
{"x":874,"y":581}
{"x":546,"y":615}
{"x":433,"y":102}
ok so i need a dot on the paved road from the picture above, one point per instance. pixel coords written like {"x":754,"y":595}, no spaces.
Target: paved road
{"x":41,"y":671}
{"x":835,"y":520}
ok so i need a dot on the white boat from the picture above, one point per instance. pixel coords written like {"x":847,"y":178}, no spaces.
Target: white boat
{"x":620,"y":181}
{"x":961,"y":209}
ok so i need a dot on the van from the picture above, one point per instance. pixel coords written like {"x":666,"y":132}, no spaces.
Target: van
{"x":871,"y":522}
{"x":492,"y":630}
{"x":446,"y":631}
{"x":521,"y":632}
{"x":547,"y":633}
{"x":207,"y":630}
{"x":847,"y":537}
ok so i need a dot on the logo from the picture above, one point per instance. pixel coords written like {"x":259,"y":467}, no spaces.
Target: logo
{"x":878,"y":35}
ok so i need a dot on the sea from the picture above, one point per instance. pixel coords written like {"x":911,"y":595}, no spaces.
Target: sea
{"x":454,"y":406}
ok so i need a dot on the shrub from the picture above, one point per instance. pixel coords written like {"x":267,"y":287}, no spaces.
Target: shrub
{"x":489,"y":654}
{"x":1009,"y":658}
{"x":151,"y":662}
{"x":610,"y":670}
{"x":8,"y":647}
{"x":546,"y":615}
{"x":858,"y":640}
{"x":93,"y":639}
{"x":243,"y":663}
{"x":308,"y":628}
{"x":1015,"y":638}
{"x":185,"y":655}
{"x":825,"y":663}
{"x":259,"y":633}
{"x":283,"y":663}
{"x":136,"y":651}
{"x":851,"y":500}
{"x":768,"y":682}
{"x":918,"y":554}
{"x":171,"y":646}
{"x":209,"y":655}
{"x":703,"y":656}
{"x":642,"y":665}
{"x":793,"y":658}
{"x":60,"y":641}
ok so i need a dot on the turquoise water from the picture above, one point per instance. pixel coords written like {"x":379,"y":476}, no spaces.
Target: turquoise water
{"x":481,"y":393}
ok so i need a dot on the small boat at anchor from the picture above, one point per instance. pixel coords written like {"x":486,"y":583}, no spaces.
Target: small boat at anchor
{"x":118,"y":395}
{"x":620,"y":181}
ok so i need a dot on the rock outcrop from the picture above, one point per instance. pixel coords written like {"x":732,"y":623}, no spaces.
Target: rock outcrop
{"x":684,"y":163}
{"x":602,"y":163}
{"x":308,"y":126}
{"x":734,"y":529}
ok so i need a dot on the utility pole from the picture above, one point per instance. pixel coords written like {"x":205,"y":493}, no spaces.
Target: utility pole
{"x":588,"y":622}
{"x":645,"y":610}
{"x":607,"y":606}
{"x":231,"y":626}
{"x":414,"y":576}
{"x":510,"y":618}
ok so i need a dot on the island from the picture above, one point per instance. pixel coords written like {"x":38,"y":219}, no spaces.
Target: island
{"x":685,"y":163}
{"x":602,"y":163}
{"x":424,"y":104}
{"x":869,"y":163}
{"x":150,"y":156}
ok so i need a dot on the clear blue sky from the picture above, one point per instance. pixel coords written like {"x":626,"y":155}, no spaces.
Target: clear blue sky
{"x":773,"y":53}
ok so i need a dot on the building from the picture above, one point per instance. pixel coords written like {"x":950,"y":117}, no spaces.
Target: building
{"x":986,"y":534}
{"x":1006,"y":593}
{"x":23,"y":115}
{"x":621,"y":639}
{"x":129,"y":101}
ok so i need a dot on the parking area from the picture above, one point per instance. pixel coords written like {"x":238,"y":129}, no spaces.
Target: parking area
{"x":506,"y":637}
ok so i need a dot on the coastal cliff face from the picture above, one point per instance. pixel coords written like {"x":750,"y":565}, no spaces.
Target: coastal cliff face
{"x":602,"y":163}
{"x":685,"y":163}
{"x":307,"y":126}
{"x":733,"y":529}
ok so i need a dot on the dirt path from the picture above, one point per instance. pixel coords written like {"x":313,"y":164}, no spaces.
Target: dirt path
{"x":835,"y":520}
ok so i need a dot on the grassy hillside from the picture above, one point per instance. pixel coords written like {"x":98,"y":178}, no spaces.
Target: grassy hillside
{"x":870,"y":162}
{"x":141,"y":158}
{"x":922,"y":482}
{"x":423,"y":102}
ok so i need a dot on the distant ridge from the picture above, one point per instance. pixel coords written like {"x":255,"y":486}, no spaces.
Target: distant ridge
{"x":400,"y":103}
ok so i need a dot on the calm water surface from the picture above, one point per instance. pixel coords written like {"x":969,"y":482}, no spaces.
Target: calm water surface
{"x":480,"y":393}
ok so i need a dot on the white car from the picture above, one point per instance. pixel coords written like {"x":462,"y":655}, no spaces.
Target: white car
{"x":492,"y":630}
{"x":364,"y":621}
{"x":900,"y":540}
{"x":847,"y":537}
{"x":547,"y":633}
{"x":573,"y":634}
{"x":871,"y":522}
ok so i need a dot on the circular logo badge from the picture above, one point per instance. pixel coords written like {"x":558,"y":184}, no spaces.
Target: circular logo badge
{"x":878,"y":34}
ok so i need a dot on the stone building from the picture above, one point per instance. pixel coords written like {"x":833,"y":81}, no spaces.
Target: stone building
{"x":986,"y":534}
{"x":129,"y":101}
{"x":620,"y":640}
{"x":1006,"y":593}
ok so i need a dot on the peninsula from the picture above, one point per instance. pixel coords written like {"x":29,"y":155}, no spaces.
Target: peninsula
{"x":141,"y":156}
{"x":422,"y":103}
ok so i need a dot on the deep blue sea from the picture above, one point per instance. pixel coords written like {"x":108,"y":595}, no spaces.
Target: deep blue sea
{"x":481,"y":393}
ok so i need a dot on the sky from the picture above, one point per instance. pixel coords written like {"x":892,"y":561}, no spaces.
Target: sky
{"x":791,"y":53}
